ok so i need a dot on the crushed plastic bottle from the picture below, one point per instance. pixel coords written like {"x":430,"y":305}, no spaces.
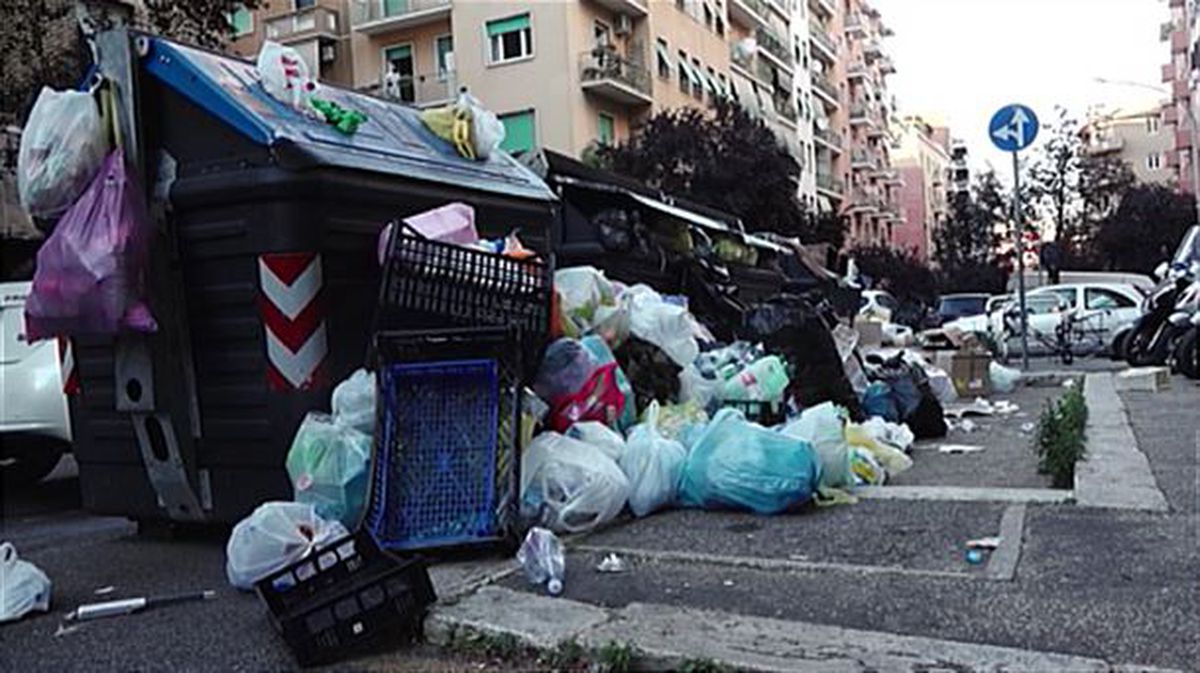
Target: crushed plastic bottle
{"x":541,"y":555}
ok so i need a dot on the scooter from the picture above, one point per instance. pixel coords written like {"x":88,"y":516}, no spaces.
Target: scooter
{"x":1153,"y":335}
{"x":1186,"y":325}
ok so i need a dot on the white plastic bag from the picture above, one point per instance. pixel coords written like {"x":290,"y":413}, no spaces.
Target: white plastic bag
{"x":23,"y":586}
{"x":887,"y":442}
{"x":569,"y":486}
{"x":665,"y":325}
{"x":824,"y":427}
{"x":653,"y":464}
{"x":1004,"y":379}
{"x":487,"y":131}
{"x":285,"y":77}
{"x":694,"y":387}
{"x":354,"y":402}
{"x":600,"y":436}
{"x":274,"y":536}
{"x":329,"y":466}
{"x":62,"y":147}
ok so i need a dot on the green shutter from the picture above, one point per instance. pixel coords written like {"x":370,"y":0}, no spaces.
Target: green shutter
{"x":395,"y":7}
{"x":508,"y":25}
{"x":443,"y":46}
{"x":606,"y":132}
{"x":518,"y":132}
{"x":392,"y":53}
{"x":241,"y":21}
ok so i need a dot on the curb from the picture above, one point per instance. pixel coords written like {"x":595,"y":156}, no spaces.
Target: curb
{"x":1114,"y":473}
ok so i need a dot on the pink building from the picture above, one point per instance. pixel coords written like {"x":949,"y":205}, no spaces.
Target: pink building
{"x":923,"y":159}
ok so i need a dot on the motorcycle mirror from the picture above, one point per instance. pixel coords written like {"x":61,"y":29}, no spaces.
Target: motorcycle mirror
{"x":1160,"y":271}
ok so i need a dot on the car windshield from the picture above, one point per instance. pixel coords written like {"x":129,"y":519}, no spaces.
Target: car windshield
{"x":1189,"y":248}
{"x":961,"y":306}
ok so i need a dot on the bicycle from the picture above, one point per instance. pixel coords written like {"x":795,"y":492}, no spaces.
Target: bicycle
{"x":1073,"y":336}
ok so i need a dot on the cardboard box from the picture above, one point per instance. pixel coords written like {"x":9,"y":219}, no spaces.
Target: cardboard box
{"x":870,"y":333}
{"x":969,"y":370}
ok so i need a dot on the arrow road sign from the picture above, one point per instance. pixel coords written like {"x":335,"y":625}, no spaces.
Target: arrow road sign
{"x":1013,"y":128}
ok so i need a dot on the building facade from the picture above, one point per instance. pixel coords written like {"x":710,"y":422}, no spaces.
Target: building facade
{"x":318,"y":29}
{"x":1178,"y":115}
{"x":922,"y":158}
{"x":1137,"y":137}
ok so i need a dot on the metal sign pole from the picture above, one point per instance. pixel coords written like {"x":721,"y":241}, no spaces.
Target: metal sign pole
{"x":1016,"y":216}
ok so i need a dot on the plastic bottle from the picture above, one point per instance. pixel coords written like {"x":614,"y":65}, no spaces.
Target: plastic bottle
{"x":764,"y":380}
{"x":541,"y":556}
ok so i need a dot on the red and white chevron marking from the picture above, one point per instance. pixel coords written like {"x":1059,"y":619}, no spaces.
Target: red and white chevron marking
{"x":293,"y":318}
{"x":67,"y":367}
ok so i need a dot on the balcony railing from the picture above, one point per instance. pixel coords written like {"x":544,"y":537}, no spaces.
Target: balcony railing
{"x":786,"y":107}
{"x":822,"y":84}
{"x":315,"y":20}
{"x":418,"y":90}
{"x":615,"y":76}
{"x":750,"y":12}
{"x":826,"y":181}
{"x":769,"y":42}
{"x":822,"y":39}
{"x":829,"y":137}
{"x":855,"y":25}
{"x":861,"y":113}
{"x":861,"y":158}
{"x":378,"y":15}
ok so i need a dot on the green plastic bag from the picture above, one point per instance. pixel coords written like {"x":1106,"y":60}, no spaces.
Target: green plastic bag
{"x":328,"y":465}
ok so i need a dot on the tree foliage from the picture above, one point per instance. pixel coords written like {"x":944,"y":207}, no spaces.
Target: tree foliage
{"x":1145,"y":228}
{"x":726,"y":159}
{"x":1054,"y":176}
{"x":898,"y":271}
{"x":965,"y":245}
{"x":41,"y":45}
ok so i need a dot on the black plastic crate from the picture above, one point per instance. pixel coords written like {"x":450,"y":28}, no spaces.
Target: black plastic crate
{"x":447,"y":453}
{"x":431,"y":285}
{"x":346,"y":596}
{"x":764,"y":413}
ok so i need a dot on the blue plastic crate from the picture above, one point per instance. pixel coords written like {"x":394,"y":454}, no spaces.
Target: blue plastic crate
{"x":444,"y":463}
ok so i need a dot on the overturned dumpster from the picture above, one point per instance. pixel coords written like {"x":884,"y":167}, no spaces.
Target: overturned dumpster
{"x":264,"y":273}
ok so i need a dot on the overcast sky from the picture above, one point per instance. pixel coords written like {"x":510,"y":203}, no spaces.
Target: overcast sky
{"x":963,"y":59}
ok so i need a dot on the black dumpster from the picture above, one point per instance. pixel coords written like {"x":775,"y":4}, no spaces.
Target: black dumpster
{"x":275,"y":217}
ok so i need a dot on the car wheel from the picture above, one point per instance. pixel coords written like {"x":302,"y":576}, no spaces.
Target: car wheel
{"x":27,"y":461}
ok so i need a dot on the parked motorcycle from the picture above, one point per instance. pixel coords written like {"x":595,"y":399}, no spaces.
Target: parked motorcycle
{"x":1153,"y":336}
{"x":1185,"y":323}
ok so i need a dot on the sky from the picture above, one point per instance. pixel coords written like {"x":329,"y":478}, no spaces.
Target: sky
{"x":964,"y":59}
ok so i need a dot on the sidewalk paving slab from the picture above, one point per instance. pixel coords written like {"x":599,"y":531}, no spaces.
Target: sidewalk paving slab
{"x":1114,"y":472}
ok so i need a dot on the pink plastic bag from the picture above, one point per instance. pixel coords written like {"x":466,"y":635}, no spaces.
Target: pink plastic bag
{"x":89,"y":277}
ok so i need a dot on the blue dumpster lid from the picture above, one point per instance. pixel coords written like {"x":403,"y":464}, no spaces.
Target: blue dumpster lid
{"x":393,"y":140}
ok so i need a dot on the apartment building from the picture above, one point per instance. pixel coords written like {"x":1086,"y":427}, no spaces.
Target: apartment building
{"x":1137,"y":137}
{"x":318,"y":29}
{"x":958,"y":180}
{"x":1183,"y":34}
{"x":921,"y":156}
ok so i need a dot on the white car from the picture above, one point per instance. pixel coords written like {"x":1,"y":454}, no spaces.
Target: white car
{"x":878,"y":304}
{"x":1099,"y":308}
{"x":35,"y":427}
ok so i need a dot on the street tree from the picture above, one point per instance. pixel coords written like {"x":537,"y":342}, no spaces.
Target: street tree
{"x":1054,"y":177}
{"x":965,"y":245}
{"x":1145,"y":228}
{"x":1103,"y":182}
{"x":41,"y":45}
{"x":723,"y":158}
{"x":900,"y":272}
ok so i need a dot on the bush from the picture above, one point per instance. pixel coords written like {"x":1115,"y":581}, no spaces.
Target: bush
{"x":1060,"y":440}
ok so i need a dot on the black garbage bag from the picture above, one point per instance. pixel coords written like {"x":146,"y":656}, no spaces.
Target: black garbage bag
{"x":919,"y":407}
{"x":653,"y":374}
{"x":798,"y":329}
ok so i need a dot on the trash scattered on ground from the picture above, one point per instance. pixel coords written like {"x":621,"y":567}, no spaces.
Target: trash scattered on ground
{"x":23,"y":586}
{"x":66,"y":629}
{"x":1028,"y":427}
{"x":104,"y":591}
{"x":1004,"y":379}
{"x":1069,"y":383}
{"x":974,"y":556}
{"x":541,"y":556}
{"x":275,"y":535}
{"x":959,"y":448}
{"x":985,"y":543}
{"x":128,"y":606}
{"x":968,"y":425}
{"x":329,"y":466}
{"x":727,"y":583}
{"x":612,"y":564}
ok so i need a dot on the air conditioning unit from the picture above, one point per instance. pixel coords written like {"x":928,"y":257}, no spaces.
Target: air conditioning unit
{"x":624,"y":25}
{"x":328,"y":53}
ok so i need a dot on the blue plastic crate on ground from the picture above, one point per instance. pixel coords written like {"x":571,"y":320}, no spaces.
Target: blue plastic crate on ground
{"x":447,"y":452}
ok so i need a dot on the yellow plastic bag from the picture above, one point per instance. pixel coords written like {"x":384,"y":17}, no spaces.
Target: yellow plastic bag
{"x":453,"y":124}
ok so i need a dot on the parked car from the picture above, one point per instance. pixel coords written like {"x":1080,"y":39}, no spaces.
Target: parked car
{"x":1100,"y":308}
{"x":34,"y":415}
{"x":955,"y":306}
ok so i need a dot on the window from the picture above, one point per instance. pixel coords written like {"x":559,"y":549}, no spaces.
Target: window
{"x":443,"y":54}
{"x":602,"y":34}
{"x":681,"y":5}
{"x":685,"y":77}
{"x":720,"y":26}
{"x":519,"y":132}
{"x":713,"y":90}
{"x":1152,"y":124}
{"x":510,"y":39}
{"x":1100,"y":298}
{"x":241,"y":21}
{"x":305,"y":4}
{"x":399,"y":73}
{"x":708,"y":15}
{"x":605,"y":129}
{"x":1154,"y":161}
{"x":663,"y":58}
{"x":697,"y":81}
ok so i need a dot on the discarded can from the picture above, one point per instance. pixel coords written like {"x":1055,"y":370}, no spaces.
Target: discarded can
{"x":974,"y":556}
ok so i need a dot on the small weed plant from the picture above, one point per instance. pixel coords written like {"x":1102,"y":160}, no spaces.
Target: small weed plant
{"x":1060,"y":440}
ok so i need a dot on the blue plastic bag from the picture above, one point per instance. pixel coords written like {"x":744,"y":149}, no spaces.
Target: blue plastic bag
{"x":737,"y":464}
{"x":878,"y":400}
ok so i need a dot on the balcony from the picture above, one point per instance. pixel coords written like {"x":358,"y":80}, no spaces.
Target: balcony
{"x":856,"y":25}
{"x":873,"y":49}
{"x":1180,"y":90}
{"x":635,"y":8}
{"x":770,"y":44}
{"x":831,"y":140}
{"x":1170,"y":115}
{"x":426,"y":90}
{"x":1168,"y":73}
{"x":861,"y":114}
{"x":750,"y":13}
{"x":825,"y":7}
{"x":862,"y":200}
{"x":825,"y":90}
{"x":1183,"y":139}
{"x":785,"y":107}
{"x":618,"y":78}
{"x":829,"y":184}
{"x":823,"y":45}
{"x":1179,"y":41}
{"x":303,"y":24}
{"x":887,"y":66}
{"x":1105,"y":144}
{"x":380,"y":16}
{"x":861,"y":159}
{"x":857,"y":71}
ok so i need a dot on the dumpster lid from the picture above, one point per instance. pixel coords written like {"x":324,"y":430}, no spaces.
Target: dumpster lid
{"x":393,"y":140}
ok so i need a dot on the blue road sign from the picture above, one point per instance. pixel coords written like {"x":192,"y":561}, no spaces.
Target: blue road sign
{"x":1013,"y":128}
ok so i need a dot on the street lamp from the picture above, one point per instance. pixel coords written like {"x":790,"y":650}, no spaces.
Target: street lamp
{"x":1191,"y":114}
